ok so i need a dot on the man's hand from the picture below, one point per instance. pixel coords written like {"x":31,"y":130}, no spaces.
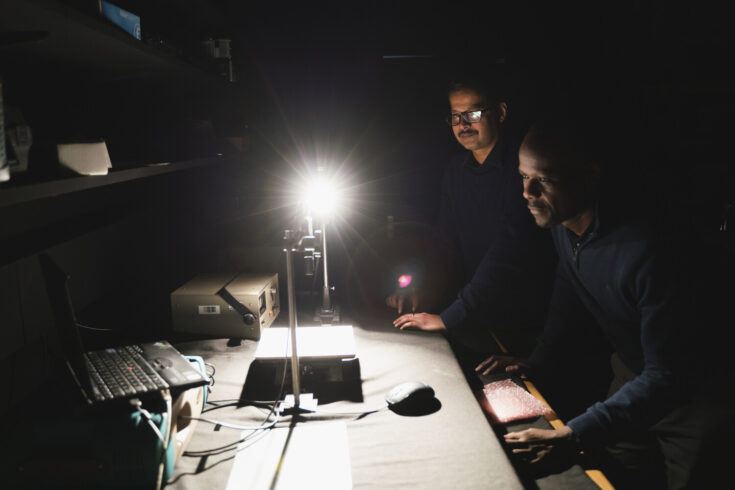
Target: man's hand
{"x":536,"y":444}
{"x":496,"y":362}
{"x":398,"y":300}
{"x":421,"y":321}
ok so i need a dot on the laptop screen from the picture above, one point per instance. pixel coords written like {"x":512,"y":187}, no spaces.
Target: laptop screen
{"x":63,"y":312}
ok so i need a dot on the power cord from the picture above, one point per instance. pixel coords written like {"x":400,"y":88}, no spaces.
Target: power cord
{"x":138,"y":405}
{"x":96,"y":329}
{"x":210,"y":377}
{"x":273,"y":405}
{"x":166,"y":395}
{"x":264,"y":426}
{"x":229,"y":425}
{"x":278,"y":413}
{"x":364,"y":412}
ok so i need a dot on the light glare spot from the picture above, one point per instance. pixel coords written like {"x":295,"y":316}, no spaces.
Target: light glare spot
{"x":320,"y":196}
{"x":404,"y":281}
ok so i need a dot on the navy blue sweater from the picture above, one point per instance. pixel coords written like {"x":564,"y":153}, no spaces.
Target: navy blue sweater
{"x":620,"y":274}
{"x":503,"y":254}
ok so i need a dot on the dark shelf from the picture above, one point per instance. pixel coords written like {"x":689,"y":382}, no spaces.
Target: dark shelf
{"x":10,"y":194}
{"x":89,"y":48}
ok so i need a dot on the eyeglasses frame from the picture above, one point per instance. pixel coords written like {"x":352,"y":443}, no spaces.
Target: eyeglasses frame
{"x":463,"y":116}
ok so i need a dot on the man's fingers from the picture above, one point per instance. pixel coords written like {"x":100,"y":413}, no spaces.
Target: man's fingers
{"x":484,"y":363}
{"x":543,"y":436}
{"x":541,"y":454}
{"x":401,"y":320}
{"x":522,"y":436}
{"x":406,"y":321}
{"x":496,"y":362}
{"x":414,"y":302}
{"x":400,"y":304}
{"x":409,"y":325}
{"x":522,"y":450}
{"x":493,"y":365}
{"x":530,"y":451}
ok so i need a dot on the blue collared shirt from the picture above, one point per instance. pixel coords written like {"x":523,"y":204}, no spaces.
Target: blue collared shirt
{"x":620,"y":273}
{"x":507,"y":261}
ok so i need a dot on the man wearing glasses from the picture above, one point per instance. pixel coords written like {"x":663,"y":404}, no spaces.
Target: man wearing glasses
{"x":485,"y":220}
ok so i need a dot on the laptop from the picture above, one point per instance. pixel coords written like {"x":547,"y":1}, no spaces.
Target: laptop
{"x":117,"y":373}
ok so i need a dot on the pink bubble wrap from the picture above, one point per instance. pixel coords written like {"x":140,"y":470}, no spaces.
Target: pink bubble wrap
{"x":505,"y":402}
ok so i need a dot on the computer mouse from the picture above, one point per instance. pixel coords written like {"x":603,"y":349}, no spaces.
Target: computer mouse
{"x":409,"y":394}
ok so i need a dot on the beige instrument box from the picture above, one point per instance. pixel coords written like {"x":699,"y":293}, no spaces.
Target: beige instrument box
{"x":226,"y":305}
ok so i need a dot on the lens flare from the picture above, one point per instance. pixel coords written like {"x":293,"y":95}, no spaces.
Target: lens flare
{"x":321,"y":196}
{"x":404,"y":281}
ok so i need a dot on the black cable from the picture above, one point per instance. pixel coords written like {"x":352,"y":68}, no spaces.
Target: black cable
{"x":268,"y":404}
{"x":233,"y":401}
{"x":222,"y":449}
{"x":364,"y":412}
{"x":201,"y":470}
{"x":96,"y":329}
{"x":210,"y":376}
{"x":237,"y":403}
{"x":214,"y":371}
{"x":228,"y":447}
{"x":229,"y":425}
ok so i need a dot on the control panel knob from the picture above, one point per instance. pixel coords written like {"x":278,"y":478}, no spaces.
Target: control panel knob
{"x":249,"y":318}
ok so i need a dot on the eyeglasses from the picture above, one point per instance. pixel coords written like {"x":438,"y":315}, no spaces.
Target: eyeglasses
{"x":468,"y":116}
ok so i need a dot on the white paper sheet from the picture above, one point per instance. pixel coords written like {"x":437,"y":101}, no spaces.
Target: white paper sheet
{"x":309,"y":456}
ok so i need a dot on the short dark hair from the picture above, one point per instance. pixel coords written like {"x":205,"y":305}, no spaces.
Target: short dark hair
{"x":558,"y":132}
{"x":483,"y":85}
{"x":581,"y":130}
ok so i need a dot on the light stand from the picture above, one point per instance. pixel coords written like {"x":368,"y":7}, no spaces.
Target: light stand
{"x":289,"y":239}
{"x":313,"y":244}
{"x":295,"y":241}
{"x":320,"y":197}
{"x":328,"y":313}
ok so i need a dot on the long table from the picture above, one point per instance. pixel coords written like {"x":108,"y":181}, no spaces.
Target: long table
{"x":453,"y":447}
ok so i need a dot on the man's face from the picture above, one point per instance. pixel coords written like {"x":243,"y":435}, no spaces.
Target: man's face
{"x":553,"y":193}
{"x":479,"y":135}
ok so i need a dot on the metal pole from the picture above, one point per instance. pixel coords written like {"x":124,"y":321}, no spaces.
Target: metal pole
{"x":295,"y":380}
{"x":326,"y":302}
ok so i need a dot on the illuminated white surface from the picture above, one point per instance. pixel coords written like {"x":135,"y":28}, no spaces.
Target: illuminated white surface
{"x":330,"y":341}
{"x":316,"y":455}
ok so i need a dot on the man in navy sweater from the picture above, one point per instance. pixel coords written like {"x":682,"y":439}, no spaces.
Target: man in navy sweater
{"x":483,"y":218}
{"x":656,"y":426}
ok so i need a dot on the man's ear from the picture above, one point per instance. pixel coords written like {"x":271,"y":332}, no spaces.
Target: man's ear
{"x":502,"y":111}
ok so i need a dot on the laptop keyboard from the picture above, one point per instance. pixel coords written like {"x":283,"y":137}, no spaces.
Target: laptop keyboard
{"x":121,"y":373}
